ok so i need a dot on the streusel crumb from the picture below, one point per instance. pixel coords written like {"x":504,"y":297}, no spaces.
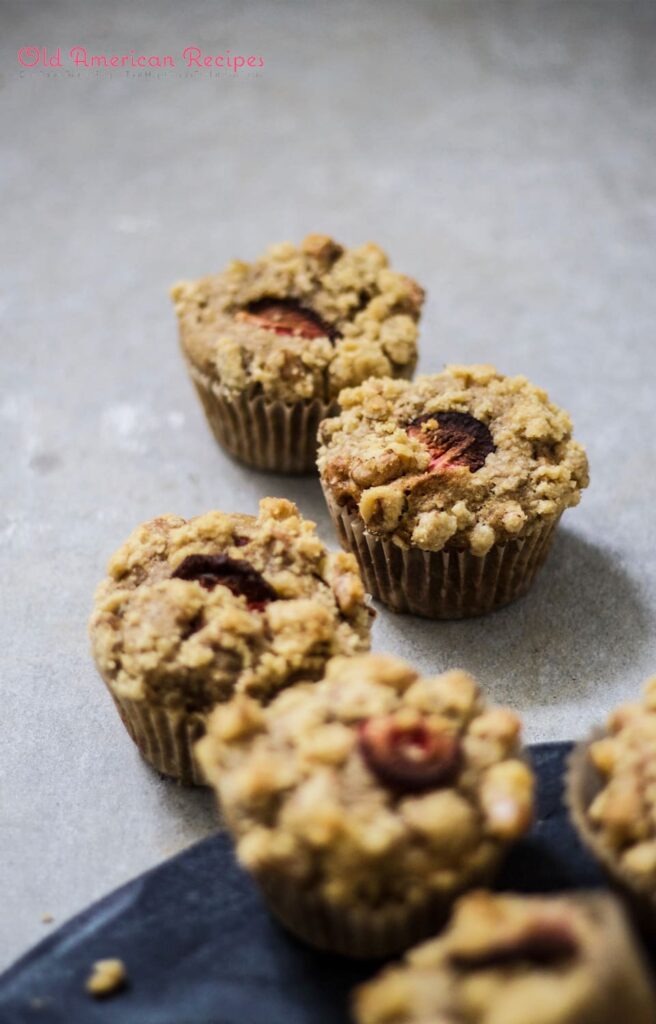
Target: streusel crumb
{"x":301,"y":322}
{"x":195,"y":611}
{"x":517,"y":960}
{"x":624,"y":812}
{"x":107,"y":977}
{"x":463,"y":459}
{"x":372,"y":786}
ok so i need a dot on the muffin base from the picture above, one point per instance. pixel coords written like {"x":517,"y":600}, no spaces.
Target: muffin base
{"x":355,"y":931}
{"x":582,"y":784}
{"x":261,"y":432}
{"x":165,"y":739}
{"x":442,"y":584}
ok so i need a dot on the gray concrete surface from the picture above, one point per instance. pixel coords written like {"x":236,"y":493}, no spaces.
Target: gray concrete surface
{"x":503,"y":153}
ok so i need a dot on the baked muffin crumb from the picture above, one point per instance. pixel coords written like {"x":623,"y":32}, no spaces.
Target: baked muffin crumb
{"x":373,"y":786}
{"x":461,"y":460}
{"x":301,"y":322}
{"x":623,"y":814}
{"x":506,"y":959}
{"x":106,"y":978}
{"x":194,"y":611}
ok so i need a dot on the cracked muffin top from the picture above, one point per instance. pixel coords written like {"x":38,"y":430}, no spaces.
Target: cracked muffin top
{"x":194,"y":611}
{"x":373,"y":785}
{"x":517,"y":960}
{"x":300,"y":323}
{"x":623,"y":814}
{"x":465,"y":458}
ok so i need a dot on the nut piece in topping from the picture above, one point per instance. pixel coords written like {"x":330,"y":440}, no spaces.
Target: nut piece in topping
{"x":321,"y":247}
{"x":409,"y":752}
{"x":106,"y":978}
{"x":453,"y":439}
{"x":236,"y":574}
{"x":284,"y":316}
{"x":507,"y":799}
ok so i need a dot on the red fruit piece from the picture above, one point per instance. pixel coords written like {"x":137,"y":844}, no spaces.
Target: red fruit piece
{"x":453,"y":439}
{"x":285,"y":316}
{"x":543,"y":941}
{"x":236,"y":574}
{"x":409,"y":757}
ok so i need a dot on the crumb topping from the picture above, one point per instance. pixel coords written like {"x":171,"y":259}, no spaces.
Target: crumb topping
{"x":301,"y":322}
{"x":624,"y":812}
{"x":195,"y":611}
{"x":373,"y":785}
{"x":107,"y":976}
{"x":466,"y":458}
{"x":515,"y":960}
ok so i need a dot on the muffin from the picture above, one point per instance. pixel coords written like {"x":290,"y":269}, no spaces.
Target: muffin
{"x":270,"y":345}
{"x":194,"y":612}
{"x":365,"y":803}
{"x":518,"y":960}
{"x":448,"y":490}
{"x":611,"y":791}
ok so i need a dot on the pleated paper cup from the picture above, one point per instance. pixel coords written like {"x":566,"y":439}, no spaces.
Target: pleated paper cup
{"x":264,"y":433}
{"x":583,"y":783}
{"x":442,"y":584}
{"x":165,"y":738}
{"x":360,"y":932}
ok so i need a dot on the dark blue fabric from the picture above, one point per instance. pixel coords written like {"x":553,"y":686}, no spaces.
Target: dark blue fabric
{"x":200,"y":947}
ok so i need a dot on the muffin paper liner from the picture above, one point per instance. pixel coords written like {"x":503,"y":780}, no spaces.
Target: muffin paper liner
{"x":165,"y":738}
{"x":264,"y":433}
{"x":442,"y":584}
{"x":582,"y":784}
{"x":356,"y":931}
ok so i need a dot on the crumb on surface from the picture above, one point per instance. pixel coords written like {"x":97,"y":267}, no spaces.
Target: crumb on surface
{"x":107,"y":976}
{"x":47,"y":918}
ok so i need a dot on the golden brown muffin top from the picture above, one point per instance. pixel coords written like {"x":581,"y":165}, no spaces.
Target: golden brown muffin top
{"x":517,"y":960}
{"x":372,"y":786}
{"x":465,"y":458}
{"x":194,"y":611}
{"x":301,"y":322}
{"x":624,"y":812}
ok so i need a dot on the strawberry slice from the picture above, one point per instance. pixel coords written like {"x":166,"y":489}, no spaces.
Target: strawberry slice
{"x":236,"y":574}
{"x":541,"y":941}
{"x":409,"y":757}
{"x":285,"y":316}
{"x":453,"y":439}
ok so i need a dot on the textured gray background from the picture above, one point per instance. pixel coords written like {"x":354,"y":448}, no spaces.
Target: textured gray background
{"x":503,"y":153}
